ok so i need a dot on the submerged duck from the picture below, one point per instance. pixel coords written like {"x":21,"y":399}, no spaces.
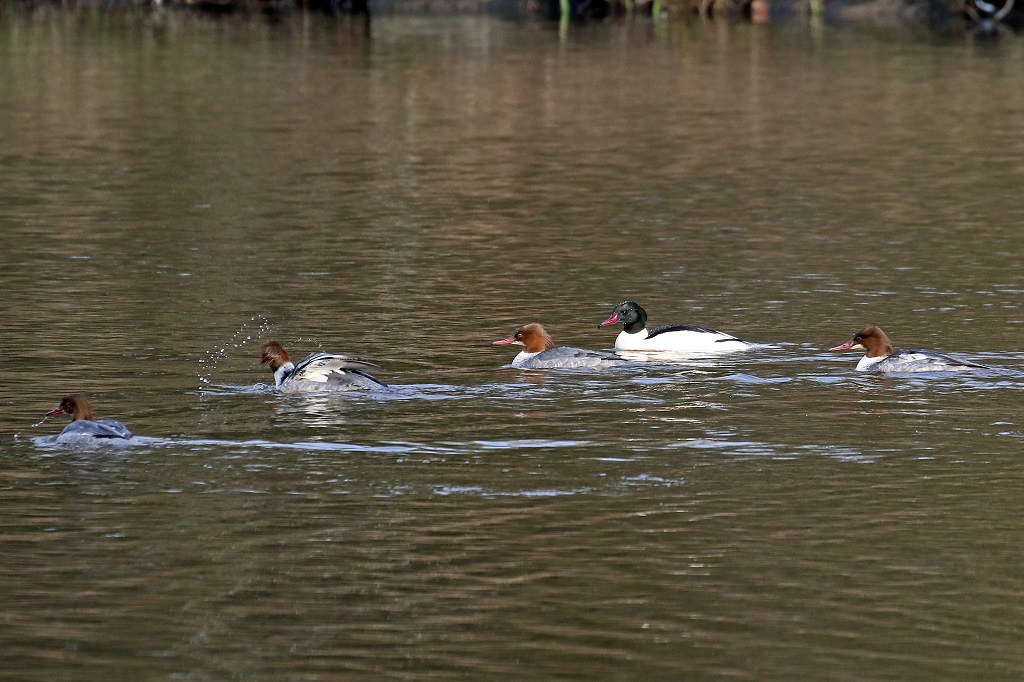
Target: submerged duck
{"x":681,"y":338}
{"x":319,"y":371}
{"x":540,"y":352}
{"x":83,"y":427}
{"x":881,"y":356}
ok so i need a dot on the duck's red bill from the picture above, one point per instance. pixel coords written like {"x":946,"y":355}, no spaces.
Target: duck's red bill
{"x":55,"y":411}
{"x":611,"y":320}
{"x":845,"y":346}
{"x":504,"y":342}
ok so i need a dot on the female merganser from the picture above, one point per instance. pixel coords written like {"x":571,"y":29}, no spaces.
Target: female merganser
{"x":319,"y":371}
{"x":681,"y":338}
{"x":881,"y":356}
{"x":540,"y":352}
{"x":83,"y":426}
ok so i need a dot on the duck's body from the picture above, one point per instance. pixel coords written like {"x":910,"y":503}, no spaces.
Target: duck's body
{"x":319,"y":371}
{"x":678,"y":338}
{"x":540,"y":352}
{"x":100,"y":428}
{"x":881,"y":356}
{"x":83,"y":428}
{"x":563,"y":357}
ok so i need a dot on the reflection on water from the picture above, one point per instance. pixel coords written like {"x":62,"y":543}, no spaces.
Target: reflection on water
{"x":178,"y":190}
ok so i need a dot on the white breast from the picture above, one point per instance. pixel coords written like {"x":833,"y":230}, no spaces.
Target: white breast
{"x":867,"y":363}
{"x":282,"y":372}
{"x":522,"y":357}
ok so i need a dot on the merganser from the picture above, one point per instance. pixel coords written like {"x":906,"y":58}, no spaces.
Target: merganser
{"x":681,"y":338}
{"x":540,"y":352}
{"x":881,"y":356}
{"x":319,"y":371}
{"x":83,"y":428}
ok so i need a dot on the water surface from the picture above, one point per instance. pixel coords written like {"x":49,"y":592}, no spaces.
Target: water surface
{"x":177,"y":190}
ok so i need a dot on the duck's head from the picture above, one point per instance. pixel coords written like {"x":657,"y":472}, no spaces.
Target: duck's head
{"x":629,"y":314}
{"x":75,"y":404}
{"x":873,"y":341}
{"x":271,"y":353}
{"x":533,"y":336}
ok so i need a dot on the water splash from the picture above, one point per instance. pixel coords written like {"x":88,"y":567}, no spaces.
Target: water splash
{"x":40,"y":422}
{"x":309,"y":339}
{"x":255,"y":328}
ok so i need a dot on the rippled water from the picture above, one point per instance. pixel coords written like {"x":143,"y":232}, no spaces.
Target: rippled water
{"x":176,"y":190}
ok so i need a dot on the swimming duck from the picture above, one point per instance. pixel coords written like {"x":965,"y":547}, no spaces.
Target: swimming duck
{"x":319,"y":371}
{"x":881,"y":356}
{"x":540,"y":352}
{"x":83,"y":426}
{"x":680,"y":338}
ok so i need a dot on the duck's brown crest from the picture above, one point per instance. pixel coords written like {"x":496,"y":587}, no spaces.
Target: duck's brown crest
{"x":875,"y":341}
{"x":77,"y":405}
{"x":273,"y":354}
{"x":534,"y":337}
